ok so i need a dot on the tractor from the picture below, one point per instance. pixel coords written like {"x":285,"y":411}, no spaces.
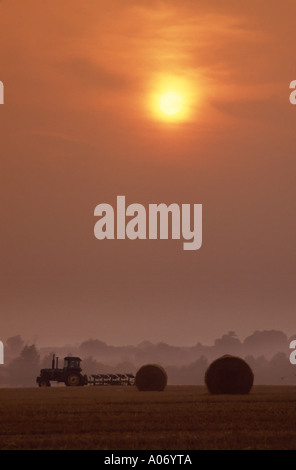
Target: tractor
{"x":70,"y":374}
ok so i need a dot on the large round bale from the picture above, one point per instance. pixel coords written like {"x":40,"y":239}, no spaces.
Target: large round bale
{"x":151,"y":377}
{"x":229,"y":375}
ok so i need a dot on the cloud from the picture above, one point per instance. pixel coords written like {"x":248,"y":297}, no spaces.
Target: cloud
{"x":92,"y":74}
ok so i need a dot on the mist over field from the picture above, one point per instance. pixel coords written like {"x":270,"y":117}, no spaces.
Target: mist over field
{"x":267,"y":352}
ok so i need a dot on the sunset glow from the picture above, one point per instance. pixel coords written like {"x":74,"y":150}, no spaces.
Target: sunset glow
{"x":173,"y":99}
{"x":163,"y":102}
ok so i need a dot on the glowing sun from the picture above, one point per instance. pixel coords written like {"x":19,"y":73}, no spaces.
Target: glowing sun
{"x":171,"y":102}
{"x":172,"y":99}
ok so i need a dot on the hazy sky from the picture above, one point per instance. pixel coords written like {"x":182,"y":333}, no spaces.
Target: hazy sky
{"x":80,"y":126}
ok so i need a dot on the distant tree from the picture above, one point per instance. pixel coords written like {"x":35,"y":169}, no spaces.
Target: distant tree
{"x":92,"y":347}
{"x":190,"y":374}
{"x":24,"y":369}
{"x":276,"y":371}
{"x":90,"y":366}
{"x":4,"y":376}
{"x":228,"y":344}
{"x":260,"y":368}
{"x":30,"y":354}
{"x":14,"y":345}
{"x":281,"y":370}
{"x":266,"y":343}
{"x":125,"y":367}
{"x":145,"y":345}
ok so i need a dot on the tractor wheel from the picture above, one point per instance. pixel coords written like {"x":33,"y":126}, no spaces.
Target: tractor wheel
{"x":73,"y":380}
{"x":44,"y":383}
{"x":84,"y":380}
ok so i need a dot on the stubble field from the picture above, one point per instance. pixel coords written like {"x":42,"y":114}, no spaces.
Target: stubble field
{"x":122,"y":418}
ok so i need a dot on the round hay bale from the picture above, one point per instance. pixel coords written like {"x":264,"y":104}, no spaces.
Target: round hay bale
{"x":151,"y":377}
{"x":229,"y":375}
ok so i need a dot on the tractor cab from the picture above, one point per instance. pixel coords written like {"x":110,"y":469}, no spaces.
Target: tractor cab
{"x":72,"y":363}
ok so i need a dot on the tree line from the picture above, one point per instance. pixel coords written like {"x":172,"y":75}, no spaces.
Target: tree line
{"x":267,"y":352}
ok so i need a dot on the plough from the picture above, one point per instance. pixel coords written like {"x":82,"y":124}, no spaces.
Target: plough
{"x":111,"y":379}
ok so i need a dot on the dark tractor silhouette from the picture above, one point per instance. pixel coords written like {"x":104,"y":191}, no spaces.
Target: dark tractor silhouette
{"x":70,"y":374}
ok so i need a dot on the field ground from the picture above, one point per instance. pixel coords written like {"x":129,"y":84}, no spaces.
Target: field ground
{"x":122,"y":418}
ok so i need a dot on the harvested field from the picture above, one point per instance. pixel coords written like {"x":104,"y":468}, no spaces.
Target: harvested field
{"x":122,"y":418}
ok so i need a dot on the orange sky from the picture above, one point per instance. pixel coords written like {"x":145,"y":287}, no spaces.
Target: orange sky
{"x":77,"y":129}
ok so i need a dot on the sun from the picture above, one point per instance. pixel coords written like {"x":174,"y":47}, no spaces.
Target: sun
{"x":171,"y":102}
{"x":172,"y":99}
